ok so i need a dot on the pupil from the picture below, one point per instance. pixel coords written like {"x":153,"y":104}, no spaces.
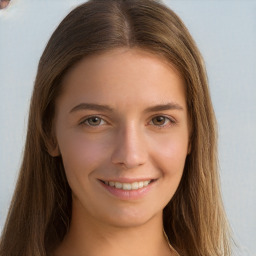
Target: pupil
{"x":159,"y":120}
{"x":94,"y":120}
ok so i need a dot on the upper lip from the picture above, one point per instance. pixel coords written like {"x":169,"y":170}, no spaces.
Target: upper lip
{"x":127,"y":180}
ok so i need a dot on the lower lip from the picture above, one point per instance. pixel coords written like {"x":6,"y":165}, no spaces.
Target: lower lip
{"x":128,"y":194}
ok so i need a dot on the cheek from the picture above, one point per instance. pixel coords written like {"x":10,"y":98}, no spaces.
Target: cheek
{"x":170,"y":154}
{"x":80,"y":154}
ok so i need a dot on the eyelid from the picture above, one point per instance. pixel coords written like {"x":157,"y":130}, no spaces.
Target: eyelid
{"x":172,"y":121}
{"x":83,"y":121}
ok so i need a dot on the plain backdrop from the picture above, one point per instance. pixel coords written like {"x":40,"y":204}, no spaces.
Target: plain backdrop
{"x":225,"y":31}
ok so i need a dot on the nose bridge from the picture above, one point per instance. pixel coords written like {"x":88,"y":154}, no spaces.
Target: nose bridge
{"x":130,"y":149}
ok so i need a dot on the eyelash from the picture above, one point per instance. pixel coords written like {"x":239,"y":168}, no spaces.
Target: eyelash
{"x":168,"y":121}
{"x":86,"y":121}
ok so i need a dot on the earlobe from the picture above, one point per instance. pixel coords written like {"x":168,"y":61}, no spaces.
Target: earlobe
{"x":54,"y":152}
{"x":53,"y":148}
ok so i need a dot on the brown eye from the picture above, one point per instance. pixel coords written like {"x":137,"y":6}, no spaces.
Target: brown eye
{"x":160,"y":120}
{"x":94,"y":121}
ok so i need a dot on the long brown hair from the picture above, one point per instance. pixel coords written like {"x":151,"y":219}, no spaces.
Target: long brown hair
{"x":40,"y":212}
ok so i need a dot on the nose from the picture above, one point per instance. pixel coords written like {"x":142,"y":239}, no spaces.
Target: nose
{"x":130,"y":149}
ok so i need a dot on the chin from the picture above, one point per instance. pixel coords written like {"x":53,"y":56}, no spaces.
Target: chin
{"x":128,"y":217}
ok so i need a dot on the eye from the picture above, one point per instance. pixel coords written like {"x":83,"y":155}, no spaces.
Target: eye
{"x":161,"y":121}
{"x":94,"y":121}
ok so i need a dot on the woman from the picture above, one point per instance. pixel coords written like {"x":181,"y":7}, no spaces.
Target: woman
{"x":120,"y":156}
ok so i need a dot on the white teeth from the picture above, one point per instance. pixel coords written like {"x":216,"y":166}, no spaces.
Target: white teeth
{"x":145,"y":183}
{"x":127,"y":186}
{"x":112,"y":183}
{"x":141,"y":184}
{"x":135,"y":185}
{"x":118,"y":185}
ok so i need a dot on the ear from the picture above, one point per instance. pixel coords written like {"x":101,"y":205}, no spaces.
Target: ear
{"x":53,"y":148}
{"x":190,"y":136}
{"x":54,"y":152}
{"x":189,"y":147}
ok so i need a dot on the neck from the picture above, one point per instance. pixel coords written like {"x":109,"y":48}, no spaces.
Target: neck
{"x":88,"y":236}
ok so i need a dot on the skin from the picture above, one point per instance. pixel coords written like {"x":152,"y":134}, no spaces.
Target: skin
{"x":4,"y":4}
{"x":132,"y":140}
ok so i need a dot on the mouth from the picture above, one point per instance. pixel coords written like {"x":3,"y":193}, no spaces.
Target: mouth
{"x":128,"y":186}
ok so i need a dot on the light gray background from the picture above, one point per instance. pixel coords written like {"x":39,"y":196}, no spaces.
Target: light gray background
{"x":225,"y":32}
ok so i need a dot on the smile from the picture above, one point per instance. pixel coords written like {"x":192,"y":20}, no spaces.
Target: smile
{"x":125,"y":190}
{"x":128,"y":186}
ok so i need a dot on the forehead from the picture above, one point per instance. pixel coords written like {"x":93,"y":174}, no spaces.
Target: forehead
{"x":131,"y":76}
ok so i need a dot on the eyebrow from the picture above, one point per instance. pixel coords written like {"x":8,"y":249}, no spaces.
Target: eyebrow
{"x":91,"y":106}
{"x":106,"y":108}
{"x":162,"y":107}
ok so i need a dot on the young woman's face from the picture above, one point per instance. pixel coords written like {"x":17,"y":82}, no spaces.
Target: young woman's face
{"x":123,"y":133}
